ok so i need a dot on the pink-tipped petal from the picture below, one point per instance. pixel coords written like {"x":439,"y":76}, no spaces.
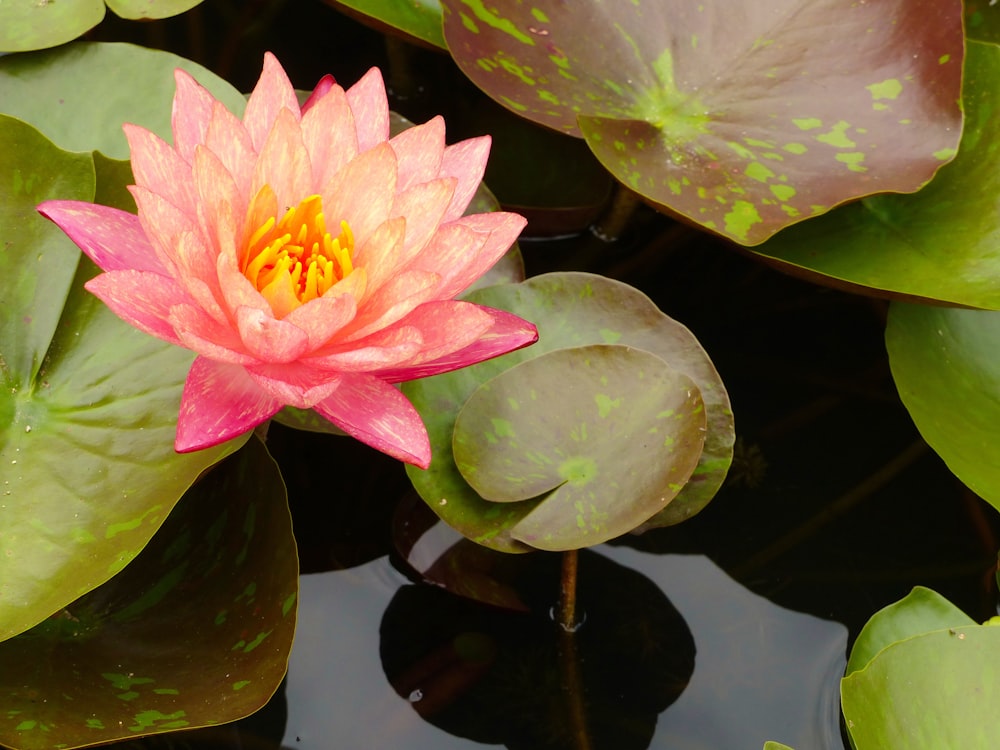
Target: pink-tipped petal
{"x":222,"y":206}
{"x":459,"y":267}
{"x":272,"y":93}
{"x":364,"y":209}
{"x":220,"y":402}
{"x":323,"y":317}
{"x":379,"y":415}
{"x":383,"y":349}
{"x":508,"y":333}
{"x":419,"y":150}
{"x":270,"y":340}
{"x":323,"y":86}
{"x":237,"y":291}
{"x":161,"y":221}
{"x":466,"y":162}
{"x":204,"y":335}
{"x":424,"y":206}
{"x":113,"y":239}
{"x":284,"y":164}
{"x":230,"y":141}
{"x":159,"y":168}
{"x":371,"y":109}
{"x":140,"y":298}
{"x":329,"y":135}
{"x":296,"y":383}
{"x":390,"y":303}
{"x":192,"y":111}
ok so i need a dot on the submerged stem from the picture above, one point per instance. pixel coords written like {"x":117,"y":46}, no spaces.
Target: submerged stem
{"x":569,"y":664}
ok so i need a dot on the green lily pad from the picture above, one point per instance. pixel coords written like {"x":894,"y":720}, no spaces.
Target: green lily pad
{"x":946,"y":364}
{"x":195,"y":631}
{"x":939,"y":243}
{"x":79,"y":95}
{"x":927,"y":692}
{"x":570,"y":310}
{"x":982,"y":21}
{"x":137,"y":10}
{"x":603,"y":436}
{"x":921,"y":611}
{"x":419,"y":19}
{"x":771,"y":745}
{"x":743,"y":117}
{"x":88,"y":407}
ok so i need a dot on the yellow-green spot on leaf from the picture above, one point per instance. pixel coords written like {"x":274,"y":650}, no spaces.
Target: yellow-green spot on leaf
{"x":790,"y":210}
{"x":26,"y":725}
{"x":561,"y":61}
{"x":880,"y":106}
{"x":694,"y":41}
{"x":605,"y":404}
{"x":238,"y":645}
{"x":890,"y":88}
{"x":487,"y":64}
{"x":496,"y":22}
{"x":146,"y":719}
{"x":123,"y":681}
{"x":286,"y":606}
{"x":905,"y":121}
{"x":548,"y":96}
{"x":837,"y":136}
{"x":94,"y":724}
{"x":609,"y":336}
{"x":578,"y":469}
{"x":502,"y":427}
{"x":675,"y":186}
{"x":241,"y":684}
{"x":517,"y":106}
{"x":570,"y":77}
{"x":795,"y":148}
{"x":256,"y":641}
{"x":579,"y":434}
{"x":740,"y":150}
{"x":167,"y":691}
{"x":945,"y":154}
{"x":853,"y":160}
{"x":131,"y":695}
{"x":740,"y":218}
{"x":758,"y":143}
{"x":516,"y":70}
{"x":513,"y":403}
{"x":117,"y":528}
{"x":539,"y":15}
{"x":468,"y":23}
{"x":757,"y":171}
{"x":773,"y":156}
{"x":702,"y":192}
{"x":943,"y":59}
{"x":613,"y":86}
{"x":82,"y":536}
{"x":783,"y":192}
{"x":807,"y":123}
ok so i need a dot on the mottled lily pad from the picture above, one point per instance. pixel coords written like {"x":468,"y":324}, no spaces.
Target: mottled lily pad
{"x":946,"y":364}
{"x":418,"y":19}
{"x":939,"y":243}
{"x":195,"y":631}
{"x":604,"y":436}
{"x":743,"y":117}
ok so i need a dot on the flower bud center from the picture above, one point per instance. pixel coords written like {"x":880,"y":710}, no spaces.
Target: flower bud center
{"x":294,"y":259}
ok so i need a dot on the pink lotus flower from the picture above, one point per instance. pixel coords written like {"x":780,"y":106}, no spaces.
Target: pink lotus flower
{"x":306,"y":257}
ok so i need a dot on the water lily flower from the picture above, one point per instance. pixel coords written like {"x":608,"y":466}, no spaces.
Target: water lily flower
{"x":307,"y":258}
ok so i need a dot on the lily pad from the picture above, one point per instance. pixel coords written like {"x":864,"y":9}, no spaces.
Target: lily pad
{"x":88,"y":408}
{"x":939,"y":243}
{"x":418,"y":19}
{"x":743,"y":117}
{"x":143,"y":10}
{"x":946,"y":364}
{"x":79,"y":95}
{"x":195,"y":631}
{"x":605,"y":436}
{"x":570,"y":310}
{"x":982,"y":20}
{"x":29,"y":24}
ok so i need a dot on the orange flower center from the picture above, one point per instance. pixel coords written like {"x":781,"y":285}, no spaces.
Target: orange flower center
{"x":295,"y":258}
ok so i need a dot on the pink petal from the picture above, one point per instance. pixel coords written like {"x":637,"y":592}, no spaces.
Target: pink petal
{"x":159,"y":168}
{"x":424,"y":207}
{"x":459,"y":258}
{"x":322,"y":318}
{"x":196,"y":271}
{"x":466,"y":162}
{"x":378,"y":254}
{"x":371,"y":109}
{"x":295,"y":383}
{"x":325,"y":84}
{"x":141,"y":298}
{"x":393,"y":301}
{"x":329,"y":135}
{"x":204,"y":335}
{"x":113,"y":239}
{"x":272,"y":93}
{"x":236,"y":288}
{"x":220,"y":402}
{"x":379,"y":415}
{"x":419,"y":150}
{"x":508,"y":333}
{"x":192,"y":111}
{"x":362,"y":192}
{"x":284,"y":164}
{"x":229,"y":140}
{"x":270,"y":340}
{"x":445,"y":326}
{"x":161,"y":222}
{"x":382,"y":349}
{"x":222,"y":207}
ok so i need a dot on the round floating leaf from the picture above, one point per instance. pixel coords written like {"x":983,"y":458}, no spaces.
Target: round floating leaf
{"x":570,"y":309}
{"x":150,"y":9}
{"x":921,"y":611}
{"x":932,"y":691}
{"x":608,"y":434}
{"x":743,"y":117}
{"x":37,"y":24}
{"x":195,"y":631}
{"x":79,"y":95}
{"x":420,"y":19}
{"x":940,"y":243}
{"x":946,"y":363}
{"x":771,"y":745}
{"x":88,"y":406}
{"x":982,"y":20}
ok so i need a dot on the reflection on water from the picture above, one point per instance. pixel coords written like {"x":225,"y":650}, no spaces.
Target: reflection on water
{"x":761,"y":672}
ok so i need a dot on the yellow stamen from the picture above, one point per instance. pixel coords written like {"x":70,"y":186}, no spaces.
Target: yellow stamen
{"x":294,"y":260}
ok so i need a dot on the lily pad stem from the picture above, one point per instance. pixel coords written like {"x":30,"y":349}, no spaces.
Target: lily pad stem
{"x":569,"y":663}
